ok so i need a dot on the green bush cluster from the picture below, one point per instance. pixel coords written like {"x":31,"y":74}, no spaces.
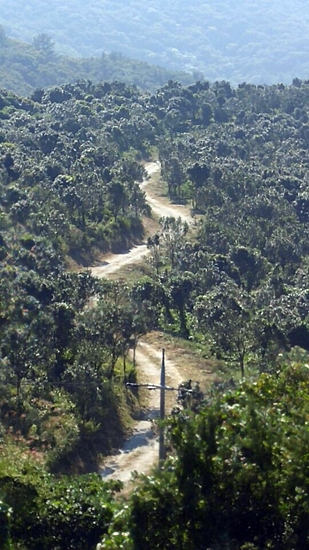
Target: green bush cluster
{"x":237,"y":477}
{"x":40,"y":512}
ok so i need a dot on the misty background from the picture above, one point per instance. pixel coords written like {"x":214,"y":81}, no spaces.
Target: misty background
{"x":252,"y":41}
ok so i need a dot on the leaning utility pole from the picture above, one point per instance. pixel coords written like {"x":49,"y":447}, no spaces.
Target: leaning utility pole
{"x":162,"y":411}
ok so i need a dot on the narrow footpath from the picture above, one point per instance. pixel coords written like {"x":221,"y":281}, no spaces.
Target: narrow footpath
{"x":140,"y":452}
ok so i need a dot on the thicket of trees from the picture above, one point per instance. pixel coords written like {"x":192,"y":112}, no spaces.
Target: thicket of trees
{"x":71,"y":159}
{"x":257,"y":42}
{"x":43,"y":512}
{"x":69,"y":187}
{"x":243,"y":165}
{"x":67,"y":173}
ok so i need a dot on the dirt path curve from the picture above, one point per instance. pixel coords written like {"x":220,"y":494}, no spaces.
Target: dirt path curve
{"x":114,"y":262}
{"x":140,"y":451}
{"x":159,"y":207}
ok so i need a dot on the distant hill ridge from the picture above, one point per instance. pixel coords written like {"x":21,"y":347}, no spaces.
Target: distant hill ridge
{"x":252,"y":41}
{"x":25,"y":67}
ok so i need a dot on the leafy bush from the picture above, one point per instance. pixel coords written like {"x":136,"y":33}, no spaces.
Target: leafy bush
{"x":5,"y":513}
{"x":49,"y":513}
{"x":238,"y":477}
{"x":74,"y":513}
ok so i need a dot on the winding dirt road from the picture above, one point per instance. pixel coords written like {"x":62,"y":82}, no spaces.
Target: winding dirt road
{"x":140,"y":451}
{"x":158,"y":207}
{"x":115,"y":262}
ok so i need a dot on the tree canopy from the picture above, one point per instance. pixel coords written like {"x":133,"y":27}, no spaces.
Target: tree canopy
{"x":237,"y":477}
{"x":234,"y":282}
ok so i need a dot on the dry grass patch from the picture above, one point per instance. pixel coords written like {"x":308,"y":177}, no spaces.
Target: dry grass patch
{"x":157,"y":187}
{"x":187,"y":357}
{"x":150,"y":226}
{"x":131,"y":272}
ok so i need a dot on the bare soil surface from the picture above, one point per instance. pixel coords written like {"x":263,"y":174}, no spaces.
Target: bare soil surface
{"x":140,"y":452}
{"x":160,"y":205}
{"x":112,"y":263}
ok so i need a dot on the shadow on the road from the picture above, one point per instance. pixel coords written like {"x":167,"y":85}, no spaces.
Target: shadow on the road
{"x":138,"y":440}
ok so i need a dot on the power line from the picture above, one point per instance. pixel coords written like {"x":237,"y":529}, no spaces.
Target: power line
{"x":156,"y":387}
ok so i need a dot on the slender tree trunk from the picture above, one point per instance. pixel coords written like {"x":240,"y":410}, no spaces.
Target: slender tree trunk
{"x":113,"y":362}
{"x":18,"y":384}
{"x":83,"y":219}
{"x":125,"y":367}
{"x":242,"y":365}
{"x":183,"y":322}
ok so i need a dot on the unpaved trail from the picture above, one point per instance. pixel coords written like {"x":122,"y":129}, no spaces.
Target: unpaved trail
{"x":159,"y":207}
{"x":151,"y":168}
{"x":114,"y":262}
{"x":117,"y":261}
{"x":140,"y":452}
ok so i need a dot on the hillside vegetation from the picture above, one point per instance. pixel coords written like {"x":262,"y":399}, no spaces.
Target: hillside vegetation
{"x":26,"y":67}
{"x":236,"y":286}
{"x":258,"y":42}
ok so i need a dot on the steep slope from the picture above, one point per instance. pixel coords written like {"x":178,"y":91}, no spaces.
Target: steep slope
{"x":140,"y":452}
{"x":114,"y":262}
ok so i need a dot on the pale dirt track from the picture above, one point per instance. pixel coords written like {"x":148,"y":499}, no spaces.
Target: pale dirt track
{"x":114,"y":262}
{"x":160,"y":208}
{"x":140,"y":451}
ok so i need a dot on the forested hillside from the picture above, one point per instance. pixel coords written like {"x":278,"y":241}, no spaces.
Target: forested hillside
{"x":258,"y":42}
{"x":26,"y":67}
{"x":235,"y":284}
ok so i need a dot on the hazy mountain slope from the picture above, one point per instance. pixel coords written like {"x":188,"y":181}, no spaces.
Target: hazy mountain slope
{"x":249,"y":40}
{"x":24,"y":68}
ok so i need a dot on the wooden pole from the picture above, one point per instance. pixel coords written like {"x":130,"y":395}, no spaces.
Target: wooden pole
{"x":162,"y":411}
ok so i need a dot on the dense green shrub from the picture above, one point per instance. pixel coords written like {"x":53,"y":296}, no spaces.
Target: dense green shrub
{"x":49,"y":513}
{"x":237,"y":476}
